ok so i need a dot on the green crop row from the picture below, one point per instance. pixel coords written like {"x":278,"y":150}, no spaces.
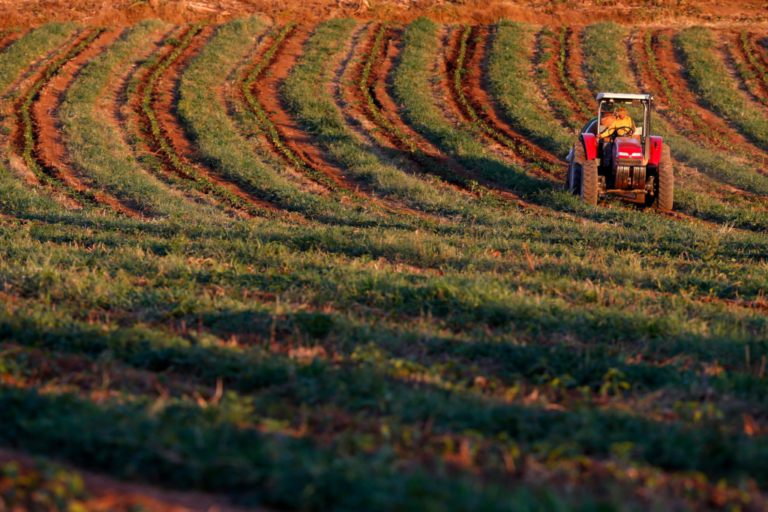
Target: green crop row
{"x":427,"y":163}
{"x":508,"y":75}
{"x":560,"y":106}
{"x":746,"y":74}
{"x":561,"y":63}
{"x":520,"y":149}
{"x":370,"y":387}
{"x":201,"y":182}
{"x":264,"y":120}
{"x":99,"y":151}
{"x":711,"y":80}
{"x":687,"y":113}
{"x":28,"y":100}
{"x":308,"y":98}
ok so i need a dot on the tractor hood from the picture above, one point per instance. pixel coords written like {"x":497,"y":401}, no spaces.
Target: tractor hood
{"x":628,"y":148}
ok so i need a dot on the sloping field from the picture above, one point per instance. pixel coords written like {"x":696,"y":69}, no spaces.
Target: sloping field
{"x":333,"y":267}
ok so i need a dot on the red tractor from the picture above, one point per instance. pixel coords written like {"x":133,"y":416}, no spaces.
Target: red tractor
{"x":630,"y":163}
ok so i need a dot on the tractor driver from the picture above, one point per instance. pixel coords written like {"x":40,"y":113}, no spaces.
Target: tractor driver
{"x":623,"y":121}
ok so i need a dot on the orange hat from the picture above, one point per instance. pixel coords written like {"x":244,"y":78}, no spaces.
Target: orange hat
{"x":621,"y":110}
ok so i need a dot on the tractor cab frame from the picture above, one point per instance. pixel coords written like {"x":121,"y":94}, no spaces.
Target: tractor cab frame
{"x":634,"y":165}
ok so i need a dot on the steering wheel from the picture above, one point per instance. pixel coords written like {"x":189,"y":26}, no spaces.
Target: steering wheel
{"x":623,"y":131}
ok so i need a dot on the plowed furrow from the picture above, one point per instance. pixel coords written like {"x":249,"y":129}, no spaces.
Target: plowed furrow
{"x":377,"y":106}
{"x":559,"y":81}
{"x":289,"y":141}
{"x":8,"y":37}
{"x":465,"y":71}
{"x":685,"y":113}
{"x":38,"y":135}
{"x":746,"y":48}
{"x":166,"y":136}
{"x":573,"y":66}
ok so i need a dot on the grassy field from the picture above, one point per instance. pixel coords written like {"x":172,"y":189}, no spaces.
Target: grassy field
{"x":345,"y":273}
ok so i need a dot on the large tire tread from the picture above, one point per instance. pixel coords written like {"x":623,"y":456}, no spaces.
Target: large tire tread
{"x":589,"y":182}
{"x":665,"y":196}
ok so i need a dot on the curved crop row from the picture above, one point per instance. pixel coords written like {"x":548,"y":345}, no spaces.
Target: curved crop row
{"x":272,"y":133}
{"x":752,"y":69}
{"x":200,"y":181}
{"x":427,"y":163}
{"x":670,"y":97}
{"x":508,"y":75}
{"x":95,"y":145}
{"x":478,"y":121}
{"x":711,"y":80}
{"x":28,"y":129}
{"x":563,"y":75}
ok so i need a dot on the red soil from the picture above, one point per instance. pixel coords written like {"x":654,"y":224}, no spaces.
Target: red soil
{"x":668,"y":65}
{"x":49,"y":143}
{"x":574,"y":65}
{"x":164,"y":104}
{"x":480,"y":100}
{"x":9,"y":37}
{"x":754,"y":48}
{"x":379,"y":89}
{"x":127,"y":12}
{"x":558,"y":88}
{"x":267,"y":90}
{"x":111,"y":495}
{"x":475,"y":89}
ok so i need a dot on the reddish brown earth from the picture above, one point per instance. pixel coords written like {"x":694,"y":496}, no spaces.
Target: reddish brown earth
{"x":164,"y":104}
{"x":7,"y":38}
{"x":49,"y":143}
{"x":379,"y":87}
{"x":754,"y":48}
{"x":482,"y":103}
{"x":113,"y":496}
{"x":475,"y":88}
{"x":267,"y":90}
{"x":670,"y":68}
{"x":557,"y":86}
{"x":555,"y":13}
{"x":574,"y":65}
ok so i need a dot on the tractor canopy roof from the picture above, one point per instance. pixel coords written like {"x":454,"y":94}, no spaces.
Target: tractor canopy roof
{"x":618,"y":97}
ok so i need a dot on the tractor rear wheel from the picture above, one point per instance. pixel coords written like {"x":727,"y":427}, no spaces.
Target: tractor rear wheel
{"x":589,"y":182}
{"x":573,"y":180}
{"x":664,"y":193}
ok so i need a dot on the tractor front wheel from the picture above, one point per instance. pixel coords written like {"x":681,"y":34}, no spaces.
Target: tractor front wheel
{"x":589,"y":182}
{"x":664,"y":195}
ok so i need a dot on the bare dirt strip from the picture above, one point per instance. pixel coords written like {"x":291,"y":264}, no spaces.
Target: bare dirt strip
{"x":164,"y":100}
{"x":266,"y":89}
{"x":50,"y":149}
{"x":574,"y":65}
{"x":8,"y":37}
{"x":690,"y":114}
{"x":475,"y":88}
{"x":423,"y":155}
{"x":555,"y":81}
{"x":737,"y":44}
{"x":109,"y":495}
{"x":475,"y":91}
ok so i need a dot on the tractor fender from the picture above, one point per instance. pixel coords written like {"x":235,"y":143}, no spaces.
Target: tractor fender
{"x":589,"y":141}
{"x":656,"y":144}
